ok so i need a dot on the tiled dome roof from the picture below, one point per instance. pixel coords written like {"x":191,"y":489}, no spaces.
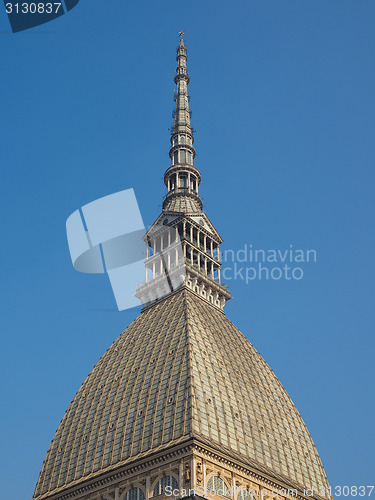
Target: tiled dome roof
{"x":180,"y":370}
{"x":182,"y":204}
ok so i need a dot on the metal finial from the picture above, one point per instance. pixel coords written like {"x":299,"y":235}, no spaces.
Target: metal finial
{"x":181,"y":33}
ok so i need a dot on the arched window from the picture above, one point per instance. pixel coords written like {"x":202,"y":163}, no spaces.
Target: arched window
{"x":245,"y":495}
{"x":216,"y":485}
{"x":134,"y":494}
{"x":175,"y":157}
{"x":163,"y":483}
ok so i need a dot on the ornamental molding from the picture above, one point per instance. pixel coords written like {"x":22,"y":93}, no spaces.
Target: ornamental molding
{"x":261,"y":478}
{"x":114,"y":477}
{"x":166,"y":459}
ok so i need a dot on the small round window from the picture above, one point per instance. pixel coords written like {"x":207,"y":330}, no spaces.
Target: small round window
{"x":201,"y":222}
{"x":165,"y":222}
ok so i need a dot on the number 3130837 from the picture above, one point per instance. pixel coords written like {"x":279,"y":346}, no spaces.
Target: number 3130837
{"x":33,"y":8}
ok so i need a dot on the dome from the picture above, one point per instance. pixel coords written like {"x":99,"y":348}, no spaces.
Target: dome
{"x":180,"y":372}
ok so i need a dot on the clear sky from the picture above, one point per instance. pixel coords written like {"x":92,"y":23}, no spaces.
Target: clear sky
{"x":283,"y":107}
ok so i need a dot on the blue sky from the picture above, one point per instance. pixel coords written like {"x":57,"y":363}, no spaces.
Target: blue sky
{"x":283,"y":107}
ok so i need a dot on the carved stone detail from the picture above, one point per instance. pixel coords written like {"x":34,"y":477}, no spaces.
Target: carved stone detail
{"x":187,"y":472}
{"x":199,"y":470}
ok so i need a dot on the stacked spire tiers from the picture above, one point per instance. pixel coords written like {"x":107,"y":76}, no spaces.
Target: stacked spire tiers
{"x":183,"y":247}
{"x":182,"y":178}
{"x":181,"y":399}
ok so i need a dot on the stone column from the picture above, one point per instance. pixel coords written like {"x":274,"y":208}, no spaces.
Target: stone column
{"x":204,"y":474}
{"x":148,"y":484}
{"x":193,"y":475}
{"x":147,"y":257}
{"x":181,"y":474}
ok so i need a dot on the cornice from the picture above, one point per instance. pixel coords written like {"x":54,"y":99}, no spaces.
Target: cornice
{"x":261,"y":476}
{"x":118,"y":473}
{"x":191,"y":445}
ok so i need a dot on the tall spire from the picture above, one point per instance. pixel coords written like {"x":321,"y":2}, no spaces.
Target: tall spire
{"x":182,"y":178}
{"x":182,"y":244}
{"x":182,"y":124}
